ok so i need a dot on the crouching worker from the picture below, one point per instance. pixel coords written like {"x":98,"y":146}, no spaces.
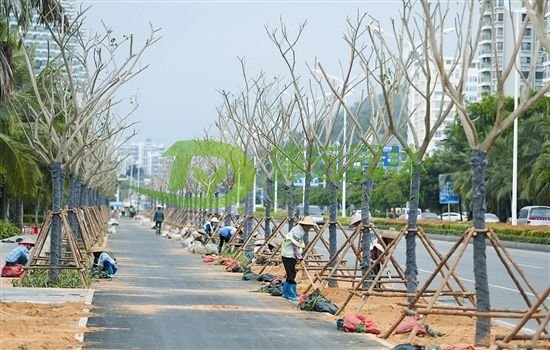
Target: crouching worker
{"x":104,"y":262}
{"x":226,"y":233}
{"x":291,"y":254}
{"x":18,"y":258}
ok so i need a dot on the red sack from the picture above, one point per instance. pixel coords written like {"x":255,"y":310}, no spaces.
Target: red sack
{"x":351,"y":322}
{"x":12,"y":271}
{"x":208,"y":259}
{"x":460,"y":347}
{"x":370,"y":325}
{"x":407,"y":326}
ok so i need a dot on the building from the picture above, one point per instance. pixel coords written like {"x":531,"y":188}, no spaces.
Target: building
{"x":45,"y":49}
{"x":438,"y":101}
{"x":146,"y":155}
{"x":497,"y":36}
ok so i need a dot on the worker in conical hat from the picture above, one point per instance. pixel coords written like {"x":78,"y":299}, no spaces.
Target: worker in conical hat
{"x":291,"y":254}
{"x":21,"y":254}
{"x":103,"y":261}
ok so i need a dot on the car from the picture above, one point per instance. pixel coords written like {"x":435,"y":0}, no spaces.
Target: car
{"x":429,"y":216}
{"x":314,"y":212}
{"x":491,"y":218}
{"x":450,"y":216}
{"x":536,"y":215}
{"x":405,"y":215}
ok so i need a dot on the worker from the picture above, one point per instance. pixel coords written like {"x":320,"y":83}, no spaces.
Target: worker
{"x":226,"y":233}
{"x":158,"y":218}
{"x":103,"y":261}
{"x":291,"y":254}
{"x":211,"y":227}
{"x":21,"y":254}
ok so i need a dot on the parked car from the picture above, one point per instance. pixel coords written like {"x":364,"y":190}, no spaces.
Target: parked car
{"x":314,"y":212}
{"x":405,"y":215}
{"x":536,"y":215}
{"x":491,"y":218}
{"x":430,"y":216}
{"x":450,"y":216}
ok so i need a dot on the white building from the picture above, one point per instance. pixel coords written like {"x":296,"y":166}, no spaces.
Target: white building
{"x":146,"y":155}
{"x":417,"y":104}
{"x":39,"y":38}
{"x":498,"y":30}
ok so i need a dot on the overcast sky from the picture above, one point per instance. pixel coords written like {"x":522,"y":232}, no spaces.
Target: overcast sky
{"x":200,"y":43}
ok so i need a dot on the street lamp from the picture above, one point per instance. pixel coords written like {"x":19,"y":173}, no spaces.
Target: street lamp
{"x":344,"y":176}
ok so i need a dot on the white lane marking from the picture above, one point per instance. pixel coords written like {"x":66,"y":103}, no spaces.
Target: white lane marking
{"x":491,"y":285}
{"x":531,"y":266}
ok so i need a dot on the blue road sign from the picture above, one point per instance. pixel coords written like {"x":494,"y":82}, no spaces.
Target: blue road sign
{"x":446,"y":194}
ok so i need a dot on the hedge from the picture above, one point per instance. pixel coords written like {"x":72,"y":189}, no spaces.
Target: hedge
{"x":7,"y":229}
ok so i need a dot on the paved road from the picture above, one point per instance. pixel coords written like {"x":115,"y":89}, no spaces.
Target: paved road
{"x":163,"y":298}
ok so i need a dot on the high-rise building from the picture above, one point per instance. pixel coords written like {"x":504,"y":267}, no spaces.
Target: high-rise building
{"x":497,"y":44}
{"x":40,"y":39}
{"x":146,"y":155}
{"x":438,"y":101}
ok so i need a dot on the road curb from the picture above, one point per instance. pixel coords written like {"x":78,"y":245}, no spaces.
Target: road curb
{"x":83,"y":321}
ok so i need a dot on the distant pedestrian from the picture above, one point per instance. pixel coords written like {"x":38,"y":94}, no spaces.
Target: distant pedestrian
{"x":226,"y":233}
{"x":291,"y":254}
{"x":158,"y":218}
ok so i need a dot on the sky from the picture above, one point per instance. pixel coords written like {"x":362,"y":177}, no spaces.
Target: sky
{"x":201,"y":41}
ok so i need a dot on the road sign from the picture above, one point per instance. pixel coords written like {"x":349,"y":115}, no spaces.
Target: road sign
{"x":446,"y":194}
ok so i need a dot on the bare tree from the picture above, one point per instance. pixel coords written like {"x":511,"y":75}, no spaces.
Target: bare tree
{"x":67,"y":105}
{"x":469,"y":23}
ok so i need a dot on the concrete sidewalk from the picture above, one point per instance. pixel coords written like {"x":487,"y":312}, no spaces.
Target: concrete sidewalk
{"x":165,"y":298}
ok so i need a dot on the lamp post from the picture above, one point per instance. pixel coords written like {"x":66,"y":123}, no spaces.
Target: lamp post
{"x":514,"y":203}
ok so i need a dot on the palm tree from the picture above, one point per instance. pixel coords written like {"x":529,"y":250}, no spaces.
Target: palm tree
{"x":22,"y":11}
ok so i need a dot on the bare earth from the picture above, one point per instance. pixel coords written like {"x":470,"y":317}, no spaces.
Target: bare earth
{"x":29,"y":326}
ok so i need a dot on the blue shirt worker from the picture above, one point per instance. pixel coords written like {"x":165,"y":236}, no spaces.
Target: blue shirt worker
{"x":211,"y":227}
{"x":226,"y":233}
{"x":158,"y":218}
{"x":104,"y":261}
{"x":21,"y":254}
{"x":291,"y":253}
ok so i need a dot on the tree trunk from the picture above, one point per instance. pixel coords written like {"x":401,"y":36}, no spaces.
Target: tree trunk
{"x":4,"y":200}
{"x":217,"y":204}
{"x":74,"y":188}
{"x":289,"y":205}
{"x":19,"y":212}
{"x":411,"y":270}
{"x":333,"y":207}
{"x":483,"y":324}
{"x":227,"y":207}
{"x":249,"y":207}
{"x":366,"y":235}
{"x":56,"y":171}
{"x":267,"y":205}
{"x":307,"y":188}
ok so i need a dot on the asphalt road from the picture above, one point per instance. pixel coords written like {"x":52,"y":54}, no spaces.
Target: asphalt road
{"x":164,"y":298}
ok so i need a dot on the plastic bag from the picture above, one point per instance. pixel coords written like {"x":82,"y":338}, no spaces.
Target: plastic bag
{"x":250,"y":276}
{"x":188,"y":242}
{"x":210,"y":248}
{"x":276,"y":290}
{"x":408,"y":346}
{"x":208,"y":259}
{"x":266,"y":277}
{"x":325,"y":306}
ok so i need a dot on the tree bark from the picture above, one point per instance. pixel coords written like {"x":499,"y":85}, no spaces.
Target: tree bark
{"x":267,"y":206}
{"x":307,"y":188}
{"x":483,"y":324}
{"x":333,"y":207}
{"x":289,"y":205}
{"x":366,"y":235}
{"x":411,"y":269}
{"x":4,"y":200}
{"x":56,"y":171}
{"x":74,"y":188}
{"x":19,"y":212}
{"x":249,"y":208}
{"x":227,"y":207}
{"x":83,"y":192}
